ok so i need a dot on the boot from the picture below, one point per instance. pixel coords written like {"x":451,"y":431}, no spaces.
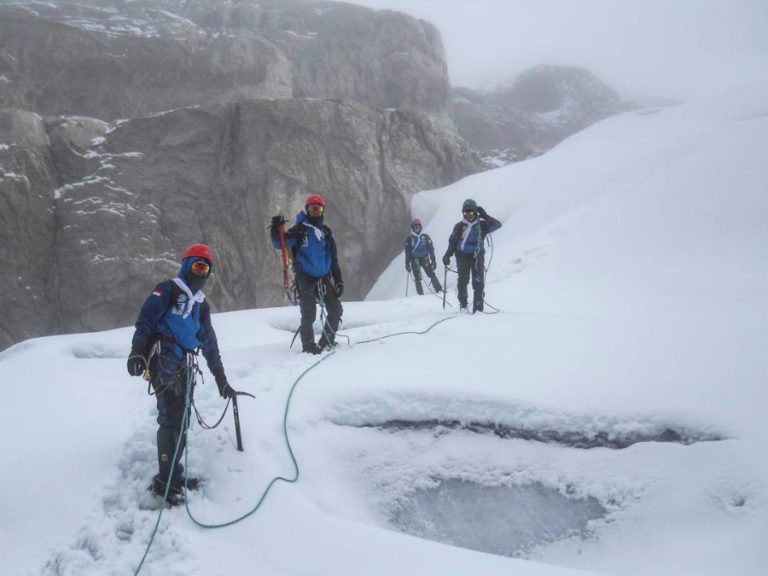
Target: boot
{"x":324,"y":344}
{"x":191,"y":482}
{"x":175,"y":493}
{"x":478,"y":300}
{"x":167,"y":438}
{"x":311,"y":348}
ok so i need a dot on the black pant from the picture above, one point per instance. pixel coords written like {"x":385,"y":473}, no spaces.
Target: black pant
{"x":171,"y":399}
{"x":310,"y":290}
{"x":416,"y":265}
{"x":474,"y":264}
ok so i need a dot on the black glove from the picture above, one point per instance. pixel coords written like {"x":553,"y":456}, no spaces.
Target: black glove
{"x":225,"y":390}
{"x":408,"y":267}
{"x":136,"y":361}
{"x":447,"y":260}
{"x":338,"y":289}
{"x":481,"y":211}
{"x":275,"y":223}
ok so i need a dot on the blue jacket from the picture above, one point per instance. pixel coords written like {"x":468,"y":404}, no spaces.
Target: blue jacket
{"x":313,"y":248}
{"x":163,"y":317}
{"x":419,"y":246}
{"x":467,"y":237}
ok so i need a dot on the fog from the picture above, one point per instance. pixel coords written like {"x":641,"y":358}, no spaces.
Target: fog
{"x":669,"y":49}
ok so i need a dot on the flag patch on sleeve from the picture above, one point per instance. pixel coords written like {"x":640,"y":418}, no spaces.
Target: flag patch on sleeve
{"x":157,"y":293}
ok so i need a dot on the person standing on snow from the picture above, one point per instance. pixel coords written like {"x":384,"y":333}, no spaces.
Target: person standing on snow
{"x":316,"y":271}
{"x":420,"y":253}
{"x":467,"y":243}
{"x":174,"y":320}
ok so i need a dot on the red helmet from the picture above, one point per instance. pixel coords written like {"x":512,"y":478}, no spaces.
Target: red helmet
{"x":314,"y":199}
{"x":199,"y":251}
{"x":415,"y":222}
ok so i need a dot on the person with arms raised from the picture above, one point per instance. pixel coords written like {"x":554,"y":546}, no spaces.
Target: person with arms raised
{"x":467,"y":243}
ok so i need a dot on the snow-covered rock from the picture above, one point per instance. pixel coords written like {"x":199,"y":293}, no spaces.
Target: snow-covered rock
{"x":541,"y":107}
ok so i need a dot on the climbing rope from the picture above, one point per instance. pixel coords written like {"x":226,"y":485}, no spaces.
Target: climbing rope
{"x":295,"y":463}
{"x":297,"y":470}
{"x":276,"y":479}
{"x":407,"y":332}
{"x":190,"y":383}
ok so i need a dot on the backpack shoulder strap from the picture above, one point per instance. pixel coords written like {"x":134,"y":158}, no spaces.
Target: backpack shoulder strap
{"x":175,"y":292}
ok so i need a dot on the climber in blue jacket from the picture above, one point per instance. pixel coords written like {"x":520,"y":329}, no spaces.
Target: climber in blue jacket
{"x":467,"y":242}
{"x":175,"y":320}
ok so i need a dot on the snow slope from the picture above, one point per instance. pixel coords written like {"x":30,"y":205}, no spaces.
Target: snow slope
{"x":607,"y":419}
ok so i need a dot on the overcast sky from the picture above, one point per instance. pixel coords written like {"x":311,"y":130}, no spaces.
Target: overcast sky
{"x":643,"y":48}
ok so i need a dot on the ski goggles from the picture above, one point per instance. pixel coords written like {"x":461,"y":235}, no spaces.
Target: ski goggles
{"x":469,"y":214}
{"x":315,"y":209}
{"x":201,"y":267}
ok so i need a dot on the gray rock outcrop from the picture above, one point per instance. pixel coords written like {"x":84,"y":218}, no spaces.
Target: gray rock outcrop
{"x":543,"y":106}
{"x":27,"y":225}
{"x":117,"y":59}
{"x":131,"y":128}
{"x":136,"y":194}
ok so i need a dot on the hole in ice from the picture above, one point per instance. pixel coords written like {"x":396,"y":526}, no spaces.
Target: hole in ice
{"x":504,"y":520}
{"x":594,"y":438}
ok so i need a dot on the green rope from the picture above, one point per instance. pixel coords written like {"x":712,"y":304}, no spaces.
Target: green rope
{"x":403,"y":333}
{"x":287,"y":439}
{"x":184,"y":426}
{"x":276,"y":479}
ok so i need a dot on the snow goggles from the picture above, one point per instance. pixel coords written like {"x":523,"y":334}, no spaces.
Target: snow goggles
{"x":315,"y":209}
{"x":469,"y":213}
{"x":201,"y":267}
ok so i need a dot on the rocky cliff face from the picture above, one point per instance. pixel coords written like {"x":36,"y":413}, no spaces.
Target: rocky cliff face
{"x":118,"y":59}
{"x":27,"y":226}
{"x":131,"y":128}
{"x":103,"y":212}
{"x":542,"y":107}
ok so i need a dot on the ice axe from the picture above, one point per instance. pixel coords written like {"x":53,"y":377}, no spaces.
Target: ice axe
{"x":236,"y":412}
{"x":445,"y":284}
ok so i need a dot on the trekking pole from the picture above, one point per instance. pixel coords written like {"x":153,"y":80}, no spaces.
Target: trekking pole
{"x":445,"y":284}
{"x":407,"y":282}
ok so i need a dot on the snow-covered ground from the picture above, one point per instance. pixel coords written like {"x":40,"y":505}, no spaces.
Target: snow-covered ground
{"x":609,"y":418}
